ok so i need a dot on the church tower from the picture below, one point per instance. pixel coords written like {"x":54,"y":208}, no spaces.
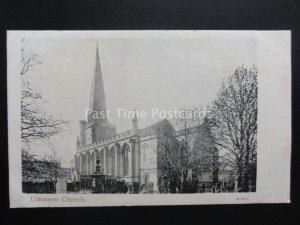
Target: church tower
{"x":98,"y":101}
{"x":96,"y":127}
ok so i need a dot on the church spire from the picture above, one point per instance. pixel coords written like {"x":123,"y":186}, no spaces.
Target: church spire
{"x":98,"y":102}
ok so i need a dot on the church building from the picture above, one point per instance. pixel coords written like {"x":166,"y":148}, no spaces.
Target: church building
{"x":130,"y":156}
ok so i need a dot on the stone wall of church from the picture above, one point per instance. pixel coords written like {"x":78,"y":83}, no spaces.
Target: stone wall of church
{"x":116,"y":159}
{"x":130,"y":158}
{"x":102,"y":131}
{"x":149,"y":162}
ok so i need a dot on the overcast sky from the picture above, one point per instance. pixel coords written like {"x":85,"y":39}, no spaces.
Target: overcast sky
{"x":141,"y":73}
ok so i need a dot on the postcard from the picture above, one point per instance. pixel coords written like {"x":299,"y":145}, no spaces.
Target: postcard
{"x":126,"y":118}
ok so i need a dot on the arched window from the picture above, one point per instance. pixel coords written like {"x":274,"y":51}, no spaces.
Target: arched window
{"x":125,"y":160}
{"x":112,"y":162}
{"x":144,"y":151}
{"x":118,"y":172}
{"x":102,"y":161}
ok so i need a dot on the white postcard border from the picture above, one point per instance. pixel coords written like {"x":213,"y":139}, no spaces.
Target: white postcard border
{"x":274,"y":124}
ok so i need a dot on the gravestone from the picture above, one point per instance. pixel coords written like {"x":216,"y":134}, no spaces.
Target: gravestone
{"x":61,"y":185}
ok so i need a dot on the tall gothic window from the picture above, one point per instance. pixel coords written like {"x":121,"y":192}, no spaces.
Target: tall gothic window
{"x":102,"y":161}
{"x":126,"y":163}
{"x":119,"y":161}
{"x":144,"y":151}
{"x":112,"y":164}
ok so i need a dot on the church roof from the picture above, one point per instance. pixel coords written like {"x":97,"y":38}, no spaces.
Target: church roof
{"x":166,"y":126}
{"x":154,"y":128}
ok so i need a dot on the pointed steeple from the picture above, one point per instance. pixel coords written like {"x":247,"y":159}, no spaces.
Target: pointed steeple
{"x":98,"y":102}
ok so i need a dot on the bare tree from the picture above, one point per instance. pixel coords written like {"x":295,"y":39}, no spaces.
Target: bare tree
{"x":36,"y":125}
{"x":168,"y":146}
{"x":233,"y":121}
{"x":28,"y":61}
{"x":185,"y":149}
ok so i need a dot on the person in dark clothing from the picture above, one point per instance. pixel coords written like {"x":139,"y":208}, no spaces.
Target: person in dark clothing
{"x":203,"y":187}
{"x":218,"y":187}
{"x":196,"y":184}
{"x":185,"y":186}
{"x":173,"y":186}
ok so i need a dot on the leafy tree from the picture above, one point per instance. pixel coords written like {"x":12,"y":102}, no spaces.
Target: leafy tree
{"x":36,"y":168}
